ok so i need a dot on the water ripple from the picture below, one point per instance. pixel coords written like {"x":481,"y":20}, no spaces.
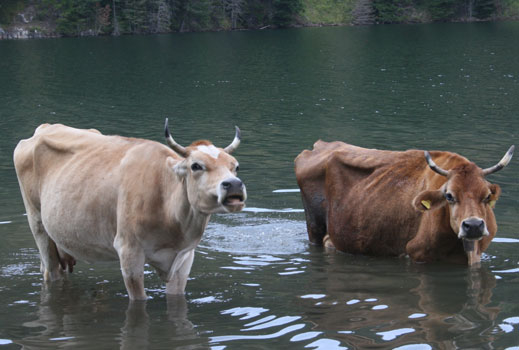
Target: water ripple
{"x":275,"y":322}
{"x":278,"y":334}
{"x":395,"y":333}
{"x":249,"y":312}
{"x":326,"y":344}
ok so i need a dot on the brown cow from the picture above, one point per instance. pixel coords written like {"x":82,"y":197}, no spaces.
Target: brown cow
{"x":94,"y":197}
{"x":384,"y":203}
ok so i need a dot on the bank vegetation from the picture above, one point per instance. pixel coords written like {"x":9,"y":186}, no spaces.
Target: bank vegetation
{"x":56,"y":18}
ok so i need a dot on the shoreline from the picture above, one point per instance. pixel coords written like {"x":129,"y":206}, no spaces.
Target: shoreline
{"x":42,"y":30}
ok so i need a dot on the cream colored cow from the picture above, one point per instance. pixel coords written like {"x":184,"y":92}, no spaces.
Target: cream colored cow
{"x":93,"y":197}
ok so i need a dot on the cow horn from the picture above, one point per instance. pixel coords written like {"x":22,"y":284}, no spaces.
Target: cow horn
{"x":502,"y":163}
{"x":433,"y":165}
{"x":171,"y":143}
{"x":235,"y":143}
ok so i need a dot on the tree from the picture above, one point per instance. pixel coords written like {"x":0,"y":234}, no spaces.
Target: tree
{"x":391,"y":11}
{"x":102,"y":19}
{"x":134,"y":16}
{"x":363,"y":13}
{"x":160,"y":12}
{"x":235,"y":9}
{"x":75,"y":16}
{"x":116,"y":30}
{"x":9,"y":9}
{"x":194,"y":15}
{"x":484,"y":9}
{"x":442,"y":10}
{"x":285,"y":11}
{"x":257,"y":13}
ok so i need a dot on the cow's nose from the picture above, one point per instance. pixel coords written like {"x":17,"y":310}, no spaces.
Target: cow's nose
{"x":232,"y":185}
{"x":474,"y":228}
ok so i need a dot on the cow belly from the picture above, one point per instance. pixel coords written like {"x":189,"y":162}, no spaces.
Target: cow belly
{"x":365,"y":230}
{"x":85,"y":236}
{"x":82,"y":243}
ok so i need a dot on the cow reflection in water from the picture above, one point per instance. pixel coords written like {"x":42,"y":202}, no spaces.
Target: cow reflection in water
{"x":446,"y":309}
{"x":74,"y":318}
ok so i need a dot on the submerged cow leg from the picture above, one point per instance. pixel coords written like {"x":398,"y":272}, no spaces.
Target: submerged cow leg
{"x":327,"y":242}
{"x":132,"y":267}
{"x":50,"y":262}
{"x":179,"y":272}
{"x":315,"y":217}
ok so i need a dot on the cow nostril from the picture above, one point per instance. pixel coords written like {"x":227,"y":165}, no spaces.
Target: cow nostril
{"x":473,"y":225}
{"x":226,"y":185}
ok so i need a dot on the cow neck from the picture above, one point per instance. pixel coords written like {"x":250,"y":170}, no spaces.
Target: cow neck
{"x":191,"y":220}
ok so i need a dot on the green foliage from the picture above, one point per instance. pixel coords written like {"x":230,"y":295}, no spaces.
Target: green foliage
{"x":442,"y":10}
{"x":484,"y":9}
{"x":94,"y":17}
{"x":391,"y":11}
{"x":509,"y":9}
{"x":257,"y":13}
{"x":192,"y":15}
{"x":9,"y":9}
{"x":328,"y":11}
{"x":285,"y":11}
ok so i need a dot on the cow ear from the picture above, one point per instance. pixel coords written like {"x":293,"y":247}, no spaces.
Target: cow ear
{"x":494,"y":195}
{"x":429,"y":200}
{"x":179,"y":167}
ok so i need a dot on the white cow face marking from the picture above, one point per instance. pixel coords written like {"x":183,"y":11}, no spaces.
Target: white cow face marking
{"x":210,"y":150}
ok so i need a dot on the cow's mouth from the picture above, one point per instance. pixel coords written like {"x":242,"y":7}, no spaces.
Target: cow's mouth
{"x":234,"y":200}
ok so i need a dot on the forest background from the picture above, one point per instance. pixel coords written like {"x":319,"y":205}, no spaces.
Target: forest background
{"x":55,"y":18}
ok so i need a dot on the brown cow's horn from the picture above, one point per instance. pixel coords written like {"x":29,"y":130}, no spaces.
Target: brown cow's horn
{"x":502,"y":163}
{"x":235,"y":143}
{"x":433,"y":165}
{"x":171,"y":143}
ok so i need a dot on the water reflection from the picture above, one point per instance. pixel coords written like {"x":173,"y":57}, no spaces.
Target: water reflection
{"x":442,"y":308}
{"x":67,"y":317}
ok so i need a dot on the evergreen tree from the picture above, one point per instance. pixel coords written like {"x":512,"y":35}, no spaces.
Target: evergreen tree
{"x":75,"y":16}
{"x":484,"y":9}
{"x":257,"y":13}
{"x":134,"y":16}
{"x":391,"y":11}
{"x":9,"y":9}
{"x":285,"y":11}
{"x":194,"y":15}
{"x":442,"y":10}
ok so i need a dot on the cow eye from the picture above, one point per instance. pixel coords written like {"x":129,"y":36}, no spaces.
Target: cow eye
{"x":487,"y":200}
{"x":449,"y":197}
{"x":237,"y":168}
{"x":196,"y":167}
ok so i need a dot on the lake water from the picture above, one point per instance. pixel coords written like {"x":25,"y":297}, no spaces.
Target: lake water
{"x":256,"y":283}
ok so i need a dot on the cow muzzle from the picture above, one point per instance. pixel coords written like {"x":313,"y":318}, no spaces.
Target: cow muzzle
{"x":232,"y":194}
{"x":473,"y":229}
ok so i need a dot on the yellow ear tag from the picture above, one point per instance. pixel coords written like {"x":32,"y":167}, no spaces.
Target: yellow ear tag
{"x":492,"y":204}
{"x":426,"y":204}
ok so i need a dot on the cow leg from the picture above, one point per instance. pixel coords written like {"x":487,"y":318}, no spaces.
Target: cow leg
{"x":179,"y":272}
{"x":328,"y":244}
{"x":50,"y":262}
{"x":132,"y":267}
{"x":315,"y":218}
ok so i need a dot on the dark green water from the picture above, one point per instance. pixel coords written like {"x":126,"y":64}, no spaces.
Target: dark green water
{"x":256,"y":283}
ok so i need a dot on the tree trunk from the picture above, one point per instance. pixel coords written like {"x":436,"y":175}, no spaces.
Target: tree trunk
{"x":116,"y":23}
